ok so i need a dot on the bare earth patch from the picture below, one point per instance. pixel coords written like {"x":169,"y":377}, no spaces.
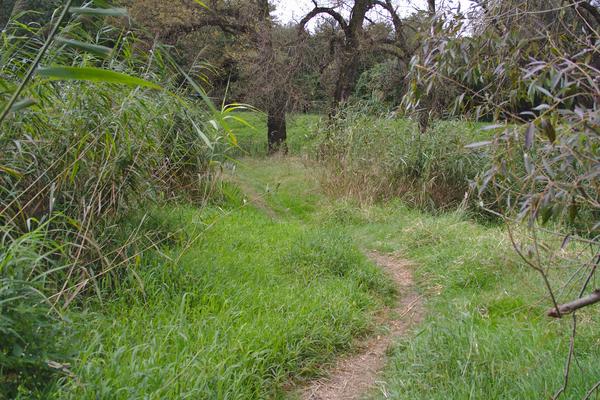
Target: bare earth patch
{"x":354,"y":376}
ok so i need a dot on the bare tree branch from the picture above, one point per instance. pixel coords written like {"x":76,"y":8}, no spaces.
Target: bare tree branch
{"x":396,"y":20}
{"x":593,"y":10}
{"x":324,"y":10}
{"x":568,"y":362}
{"x":575,"y":305}
{"x":592,"y":390}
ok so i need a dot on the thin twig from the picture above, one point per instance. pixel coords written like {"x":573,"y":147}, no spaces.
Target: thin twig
{"x":569,"y":358}
{"x":535,"y":267}
{"x":592,"y":390}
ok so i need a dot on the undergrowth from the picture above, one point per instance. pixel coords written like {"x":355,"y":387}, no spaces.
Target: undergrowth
{"x":81,"y":149}
{"x":374,"y":158}
{"x":236,"y":316}
{"x":486,"y":334}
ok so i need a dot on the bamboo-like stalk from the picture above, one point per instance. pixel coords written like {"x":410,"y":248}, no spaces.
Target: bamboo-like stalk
{"x":35,"y":63}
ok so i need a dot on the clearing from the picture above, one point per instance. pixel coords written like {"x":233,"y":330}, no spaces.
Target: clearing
{"x":277,"y":298}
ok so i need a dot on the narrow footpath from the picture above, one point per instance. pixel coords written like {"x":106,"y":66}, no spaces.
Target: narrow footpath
{"x":356,"y":375}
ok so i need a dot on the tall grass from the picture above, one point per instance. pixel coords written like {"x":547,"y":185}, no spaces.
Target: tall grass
{"x":85,"y":144}
{"x":486,"y":334}
{"x":239,"y":315}
{"x":381,"y":157}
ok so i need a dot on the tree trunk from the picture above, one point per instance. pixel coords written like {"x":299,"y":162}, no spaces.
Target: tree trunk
{"x":348,"y":75}
{"x":431,"y":7}
{"x":276,"y":103}
{"x":277,"y":129}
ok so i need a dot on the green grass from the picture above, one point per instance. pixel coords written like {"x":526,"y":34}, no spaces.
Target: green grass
{"x":252,"y":134}
{"x":288,"y":186}
{"x":486,"y":335}
{"x":90,"y":142}
{"x":260,"y":301}
{"x":374,"y":159}
{"x":237,"y":316}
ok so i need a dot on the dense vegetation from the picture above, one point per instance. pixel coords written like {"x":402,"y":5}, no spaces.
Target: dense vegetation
{"x":77,"y":156}
{"x":189,"y":189}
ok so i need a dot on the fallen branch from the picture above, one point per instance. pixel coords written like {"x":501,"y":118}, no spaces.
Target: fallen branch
{"x":575,"y":305}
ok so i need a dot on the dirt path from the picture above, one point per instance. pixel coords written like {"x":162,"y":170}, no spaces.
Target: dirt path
{"x":354,"y":376}
{"x":357,"y":375}
{"x":251,"y":195}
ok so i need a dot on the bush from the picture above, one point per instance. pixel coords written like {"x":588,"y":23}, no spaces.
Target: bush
{"x":73,"y":165}
{"x":30,"y":332}
{"x":383,"y":85}
{"x":379,"y":158}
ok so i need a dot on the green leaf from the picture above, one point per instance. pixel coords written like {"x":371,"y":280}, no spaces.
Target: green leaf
{"x":240,"y":120}
{"x":11,"y":171}
{"x":209,"y":103}
{"x":544,"y":91}
{"x":21,"y":104}
{"x":478,"y":144}
{"x":200,"y":3}
{"x":492,"y":127}
{"x":529,"y":136}
{"x":529,"y":167}
{"x":201,"y":134}
{"x":103,"y":12}
{"x":102,"y":51}
{"x":549,"y":130}
{"x":93,"y":75}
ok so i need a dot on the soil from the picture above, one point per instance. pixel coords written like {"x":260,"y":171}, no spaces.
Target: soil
{"x":354,"y":376}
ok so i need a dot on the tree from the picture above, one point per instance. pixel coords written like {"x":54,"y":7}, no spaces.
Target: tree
{"x":250,"y":27}
{"x":357,"y":39}
{"x":353,"y":31}
{"x":269,"y":72}
{"x":532,"y":67}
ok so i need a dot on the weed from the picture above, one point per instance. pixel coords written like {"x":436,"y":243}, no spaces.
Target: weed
{"x":379,"y":158}
{"x":230,"y":318}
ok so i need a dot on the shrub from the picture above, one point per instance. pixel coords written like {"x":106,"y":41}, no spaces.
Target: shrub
{"x":30,"y":332}
{"x":378,"y":158}
{"x":86,"y":152}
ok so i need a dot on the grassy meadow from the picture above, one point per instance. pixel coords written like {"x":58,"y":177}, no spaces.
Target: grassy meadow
{"x":486,"y":331}
{"x":238,"y":313}
{"x":225,"y":298}
{"x":486,"y":334}
{"x":151,"y":247}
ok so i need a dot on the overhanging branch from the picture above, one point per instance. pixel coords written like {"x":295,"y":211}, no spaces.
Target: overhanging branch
{"x":324,"y":10}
